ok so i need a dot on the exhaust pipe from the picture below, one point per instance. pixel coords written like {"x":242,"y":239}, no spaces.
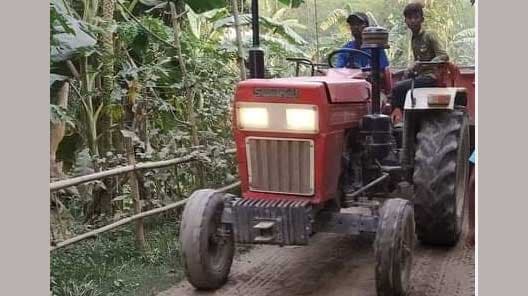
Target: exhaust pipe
{"x":376,"y":127}
{"x":375,"y":38}
{"x":256,"y":54}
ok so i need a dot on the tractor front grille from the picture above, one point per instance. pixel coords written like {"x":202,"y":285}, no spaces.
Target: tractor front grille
{"x":280,"y":165}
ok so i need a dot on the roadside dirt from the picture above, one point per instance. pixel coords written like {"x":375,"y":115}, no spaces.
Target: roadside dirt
{"x":338,"y":265}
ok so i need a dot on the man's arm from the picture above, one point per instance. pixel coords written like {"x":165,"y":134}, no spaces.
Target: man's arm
{"x":384,"y":61}
{"x":342,"y":58}
{"x":440,"y":52}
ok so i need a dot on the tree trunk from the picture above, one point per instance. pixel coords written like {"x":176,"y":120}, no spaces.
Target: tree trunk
{"x":129,"y":103}
{"x":57,"y":132}
{"x":103,"y":196}
{"x":239,"y":40}
{"x":134,"y":120}
{"x":142,"y":132}
{"x":107,"y":74}
{"x":189,"y":93}
{"x":180,"y":8}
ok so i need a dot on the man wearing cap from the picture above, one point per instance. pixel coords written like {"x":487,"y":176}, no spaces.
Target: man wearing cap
{"x":357,"y":22}
{"x":425,"y":47}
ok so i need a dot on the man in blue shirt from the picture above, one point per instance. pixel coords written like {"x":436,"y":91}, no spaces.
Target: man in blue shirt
{"x":357,"y":22}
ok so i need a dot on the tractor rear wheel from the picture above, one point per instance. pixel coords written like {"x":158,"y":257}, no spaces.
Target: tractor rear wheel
{"x":393,"y":247}
{"x":207,"y":243}
{"x":440,"y":176}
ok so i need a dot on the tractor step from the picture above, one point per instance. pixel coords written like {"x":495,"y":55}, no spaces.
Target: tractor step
{"x":271,"y":221}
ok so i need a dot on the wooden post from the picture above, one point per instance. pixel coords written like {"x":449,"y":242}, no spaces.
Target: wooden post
{"x":140,"y":231}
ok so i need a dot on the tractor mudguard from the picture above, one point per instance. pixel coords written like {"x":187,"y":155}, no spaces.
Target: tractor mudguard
{"x":434,"y":98}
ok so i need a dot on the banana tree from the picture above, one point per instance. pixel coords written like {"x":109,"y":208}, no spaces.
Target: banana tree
{"x":377,"y":10}
{"x":274,"y":26}
{"x":201,"y":25}
{"x":107,"y":72}
{"x":69,"y":38}
{"x":198,"y":6}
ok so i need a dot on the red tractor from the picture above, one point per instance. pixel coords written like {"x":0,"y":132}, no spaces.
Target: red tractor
{"x":309,"y":147}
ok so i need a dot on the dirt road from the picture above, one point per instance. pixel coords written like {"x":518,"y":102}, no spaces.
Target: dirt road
{"x":337,"y":265}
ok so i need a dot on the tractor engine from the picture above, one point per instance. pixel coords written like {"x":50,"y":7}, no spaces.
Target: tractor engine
{"x":378,"y":146}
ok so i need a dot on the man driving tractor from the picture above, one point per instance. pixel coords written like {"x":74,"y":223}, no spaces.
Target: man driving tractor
{"x":426,"y":47}
{"x":357,"y":22}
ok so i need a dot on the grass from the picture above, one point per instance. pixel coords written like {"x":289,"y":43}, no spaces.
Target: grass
{"x":111,"y":264}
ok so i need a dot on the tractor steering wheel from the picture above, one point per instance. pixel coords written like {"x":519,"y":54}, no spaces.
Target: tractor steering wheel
{"x":351,"y":53}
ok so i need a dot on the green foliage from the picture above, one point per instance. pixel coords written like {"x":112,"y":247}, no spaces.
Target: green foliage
{"x":74,"y":288}
{"x":292,"y":3}
{"x":58,"y":20}
{"x":60,"y":114}
{"x":196,"y":5}
{"x":111,"y":264}
{"x":449,"y":20}
{"x":68,"y":37}
{"x":273,"y":26}
{"x":201,"y":25}
{"x":201,"y":6}
{"x":141,"y":42}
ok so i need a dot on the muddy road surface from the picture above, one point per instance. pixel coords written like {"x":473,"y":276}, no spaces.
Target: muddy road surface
{"x":339,"y":265}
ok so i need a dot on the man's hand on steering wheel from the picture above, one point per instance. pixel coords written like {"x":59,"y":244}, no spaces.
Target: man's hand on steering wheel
{"x":351,"y":53}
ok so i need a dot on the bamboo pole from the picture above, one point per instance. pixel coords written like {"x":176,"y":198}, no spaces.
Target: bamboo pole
{"x":119,"y":171}
{"x":54,"y":186}
{"x":131,"y":219}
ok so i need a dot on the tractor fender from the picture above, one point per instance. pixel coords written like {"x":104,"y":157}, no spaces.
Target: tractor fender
{"x":434,"y":98}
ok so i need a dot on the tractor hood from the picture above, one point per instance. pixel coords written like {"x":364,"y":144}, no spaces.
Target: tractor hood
{"x":338,"y":89}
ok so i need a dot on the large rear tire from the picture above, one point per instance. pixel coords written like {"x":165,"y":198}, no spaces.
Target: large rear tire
{"x":393,"y":247}
{"x":440,"y":175}
{"x":207,"y":243}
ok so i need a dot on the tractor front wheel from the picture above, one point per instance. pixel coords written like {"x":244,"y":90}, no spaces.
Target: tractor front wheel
{"x":393,"y":247}
{"x":207,"y":243}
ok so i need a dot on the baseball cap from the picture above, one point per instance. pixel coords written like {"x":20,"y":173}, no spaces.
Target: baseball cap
{"x":358,"y":16}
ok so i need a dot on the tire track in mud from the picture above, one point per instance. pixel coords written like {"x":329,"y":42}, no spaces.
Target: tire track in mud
{"x":338,"y":265}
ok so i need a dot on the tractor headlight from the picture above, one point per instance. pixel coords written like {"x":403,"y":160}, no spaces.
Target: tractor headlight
{"x":276,"y":117}
{"x":253,"y":117}
{"x":301,"y":119}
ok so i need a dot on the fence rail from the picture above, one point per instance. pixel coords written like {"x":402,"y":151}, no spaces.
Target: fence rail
{"x":127,"y":220}
{"x":54,"y":186}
